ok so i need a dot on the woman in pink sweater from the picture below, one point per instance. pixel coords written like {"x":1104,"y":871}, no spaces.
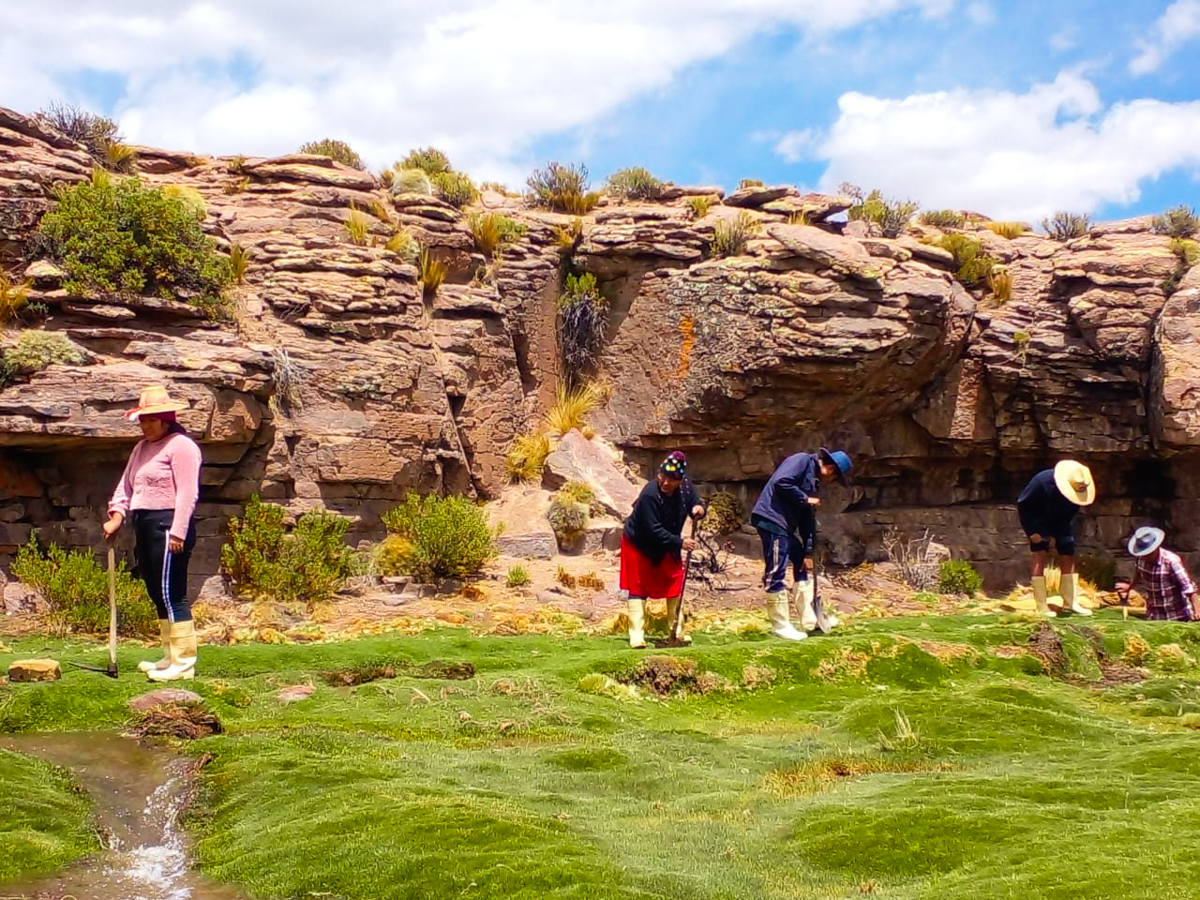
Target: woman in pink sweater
{"x":158,"y":492}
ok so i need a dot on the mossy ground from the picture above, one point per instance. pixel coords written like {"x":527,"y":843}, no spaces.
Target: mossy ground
{"x":905,"y":758}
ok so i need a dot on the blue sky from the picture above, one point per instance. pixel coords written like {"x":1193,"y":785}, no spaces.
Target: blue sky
{"x":1010,"y":108}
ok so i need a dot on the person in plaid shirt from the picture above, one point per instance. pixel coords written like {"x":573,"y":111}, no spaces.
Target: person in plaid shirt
{"x":1164,"y":581}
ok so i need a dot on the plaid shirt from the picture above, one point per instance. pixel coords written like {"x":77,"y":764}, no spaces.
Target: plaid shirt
{"x":1166,"y":586}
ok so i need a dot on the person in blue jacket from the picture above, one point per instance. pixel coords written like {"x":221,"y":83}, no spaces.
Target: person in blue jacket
{"x":785,"y":516}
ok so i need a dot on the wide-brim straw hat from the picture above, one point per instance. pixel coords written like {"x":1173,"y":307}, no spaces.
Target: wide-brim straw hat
{"x":155,"y":399}
{"x":1074,"y":480}
{"x":1146,"y":540}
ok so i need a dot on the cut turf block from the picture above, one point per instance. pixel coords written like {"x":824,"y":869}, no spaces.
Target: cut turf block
{"x":34,"y":670}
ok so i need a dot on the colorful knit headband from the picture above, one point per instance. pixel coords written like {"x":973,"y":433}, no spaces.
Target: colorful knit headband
{"x":674,"y":466}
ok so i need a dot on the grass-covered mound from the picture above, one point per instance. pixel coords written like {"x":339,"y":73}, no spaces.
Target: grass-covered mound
{"x":946,"y":757}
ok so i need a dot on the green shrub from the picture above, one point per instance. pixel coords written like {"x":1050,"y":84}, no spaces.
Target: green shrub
{"x":96,"y":133}
{"x":38,"y":350}
{"x":1065,"y":226}
{"x":455,"y":188}
{"x":926,"y":598}
{"x":1180,"y":222}
{"x":1188,"y":252}
{"x":634,"y":184}
{"x":412,"y":181}
{"x":578,"y":492}
{"x":338,"y":151}
{"x":429,"y":160}
{"x":698,"y":207}
{"x":974,"y":266}
{"x":725,"y":514}
{"x":582,"y":323}
{"x":262,"y":560}
{"x":568,"y":517}
{"x":562,"y":188}
{"x":391,"y":555}
{"x":957,"y":576}
{"x":890,"y":216}
{"x":943,"y":218}
{"x":189,"y":197}
{"x":518,"y":576}
{"x":448,"y":536}
{"x":75,"y":589}
{"x":730,"y":238}
{"x":116,"y":236}
{"x":494,"y":231}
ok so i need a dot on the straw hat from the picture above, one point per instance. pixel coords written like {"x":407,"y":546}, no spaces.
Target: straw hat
{"x":154,"y":399}
{"x":1146,"y":540}
{"x":1075,"y":481}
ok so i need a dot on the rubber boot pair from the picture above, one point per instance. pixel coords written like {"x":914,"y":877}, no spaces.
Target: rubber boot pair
{"x":179,"y":644}
{"x":778,"y":609}
{"x":637,"y":621}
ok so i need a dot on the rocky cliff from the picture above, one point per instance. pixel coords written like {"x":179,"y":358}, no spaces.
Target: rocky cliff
{"x":342,"y":384}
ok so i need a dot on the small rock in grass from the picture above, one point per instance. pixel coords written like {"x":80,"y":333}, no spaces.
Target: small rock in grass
{"x":34,"y":670}
{"x":294,"y":693}
{"x":163,"y":696}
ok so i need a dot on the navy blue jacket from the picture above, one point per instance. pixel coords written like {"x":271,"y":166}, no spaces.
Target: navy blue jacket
{"x":784,"y":501}
{"x":1043,"y":509}
{"x":655,"y":526}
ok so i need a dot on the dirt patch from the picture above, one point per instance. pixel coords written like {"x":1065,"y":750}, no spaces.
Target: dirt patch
{"x":180,"y":720}
{"x":438,"y":669}
{"x":665,"y":674}
{"x":818,"y":774}
{"x":1119,"y":673}
{"x":1046,"y":644}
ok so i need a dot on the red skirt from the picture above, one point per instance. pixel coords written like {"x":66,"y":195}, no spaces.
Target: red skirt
{"x":643,"y":578}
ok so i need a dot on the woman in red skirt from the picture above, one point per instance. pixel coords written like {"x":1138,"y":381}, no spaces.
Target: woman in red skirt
{"x":652,"y":544}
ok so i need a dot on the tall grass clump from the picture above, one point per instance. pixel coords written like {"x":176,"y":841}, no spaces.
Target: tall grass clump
{"x":447,"y":536}
{"x":698,"y":207}
{"x":730,"y":238}
{"x":527,"y":457}
{"x":404,"y":245}
{"x":454,"y":188}
{"x":957,"y":576}
{"x":189,"y":197}
{"x":120,"y":157}
{"x":1186,"y":251}
{"x":14,"y":297}
{"x":494,"y":231}
{"x":429,"y":160}
{"x":338,"y":151}
{"x":262,"y":560}
{"x":99,"y":134}
{"x":572,"y":406}
{"x":562,"y":188}
{"x":74,"y":588}
{"x":1008,"y":230}
{"x":358,"y":227}
{"x":412,"y":181}
{"x":973,"y":265}
{"x":518,"y":576}
{"x":891,"y":216}
{"x":634,"y":183}
{"x":239,"y":261}
{"x":116,"y":236}
{"x":1066,"y":226}
{"x":942,"y":218}
{"x":431,"y":272}
{"x":1179,"y":222}
{"x":582,"y":323}
{"x":570,"y":513}
{"x":1000,"y":283}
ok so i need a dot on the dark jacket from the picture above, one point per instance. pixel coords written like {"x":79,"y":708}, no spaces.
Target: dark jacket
{"x":1043,"y":509}
{"x":655,"y":526}
{"x":784,"y":501}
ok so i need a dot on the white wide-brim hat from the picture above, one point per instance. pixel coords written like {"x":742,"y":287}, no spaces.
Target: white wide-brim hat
{"x":1075,"y":481}
{"x":1146,"y":540}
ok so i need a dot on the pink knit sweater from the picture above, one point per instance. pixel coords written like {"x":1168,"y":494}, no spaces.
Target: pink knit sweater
{"x":162,"y":474}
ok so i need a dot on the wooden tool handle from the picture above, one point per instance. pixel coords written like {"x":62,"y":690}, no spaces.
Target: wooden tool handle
{"x":112,"y":604}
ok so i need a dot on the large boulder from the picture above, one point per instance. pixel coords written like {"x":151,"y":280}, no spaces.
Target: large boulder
{"x":578,"y":459}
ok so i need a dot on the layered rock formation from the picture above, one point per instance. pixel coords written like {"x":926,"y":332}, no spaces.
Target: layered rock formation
{"x":343,"y":383}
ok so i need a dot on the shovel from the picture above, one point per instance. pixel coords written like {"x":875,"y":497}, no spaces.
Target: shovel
{"x":111,"y":671}
{"x":818,"y":604}
{"x":673,"y":639}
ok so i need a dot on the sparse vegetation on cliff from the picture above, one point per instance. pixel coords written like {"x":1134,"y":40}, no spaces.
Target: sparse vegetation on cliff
{"x":1000,"y":283}
{"x":118,"y":236}
{"x":1178,"y":222}
{"x":582,"y":324}
{"x":14,"y":297}
{"x":570,"y":511}
{"x":572,"y":406}
{"x":412,"y":181}
{"x":731,"y":237}
{"x":455,"y":188}
{"x":1066,"y":226}
{"x":698,"y":207}
{"x":404,"y":245}
{"x":889,"y":215}
{"x":942,"y":218}
{"x":338,"y":151}
{"x":429,"y":160}
{"x":431,"y":272}
{"x":358,"y":227}
{"x":634,"y":183}
{"x":1008,"y":230}
{"x":494,"y":231}
{"x":973,"y":265}
{"x":527,"y":457}
{"x":562,"y":188}
{"x":239,"y":261}
{"x":447,"y":536}
{"x":99,"y":134}
{"x":38,"y":350}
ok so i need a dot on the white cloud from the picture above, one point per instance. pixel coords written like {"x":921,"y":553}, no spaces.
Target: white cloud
{"x":479,"y":78}
{"x":1178,"y":24}
{"x":1009,"y":155}
{"x":795,"y":145}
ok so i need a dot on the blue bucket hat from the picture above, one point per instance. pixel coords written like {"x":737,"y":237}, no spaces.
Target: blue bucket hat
{"x":841,"y":462}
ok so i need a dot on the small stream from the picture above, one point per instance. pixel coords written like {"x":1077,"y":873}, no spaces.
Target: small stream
{"x":138,"y":792}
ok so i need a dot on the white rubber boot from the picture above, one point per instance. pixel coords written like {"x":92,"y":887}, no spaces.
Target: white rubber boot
{"x":781,"y":623}
{"x":183,"y":654}
{"x":1070,"y":595}
{"x":672,"y":605}
{"x":164,"y":633}
{"x":1038,"y":583}
{"x":803,"y":593}
{"x":637,"y":622}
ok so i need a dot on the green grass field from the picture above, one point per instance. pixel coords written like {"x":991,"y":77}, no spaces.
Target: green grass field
{"x":906,"y":758}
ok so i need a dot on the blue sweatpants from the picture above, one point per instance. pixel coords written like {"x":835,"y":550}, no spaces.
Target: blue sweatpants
{"x":165,"y":573}
{"x":778,"y":551}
